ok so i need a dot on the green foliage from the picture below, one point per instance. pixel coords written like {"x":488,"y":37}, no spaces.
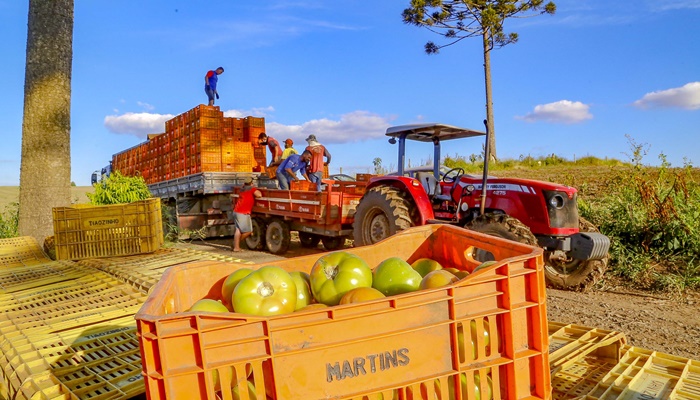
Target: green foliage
{"x":652,"y":216}
{"x":474,"y":163}
{"x":119,"y":189}
{"x":9,"y":221}
{"x":460,"y":19}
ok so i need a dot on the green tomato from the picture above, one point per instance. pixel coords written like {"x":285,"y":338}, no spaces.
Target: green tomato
{"x":304,"y":296}
{"x":208,"y":305}
{"x":425,"y":265}
{"x":267,"y":291}
{"x":231,"y":282}
{"x":395,"y":276}
{"x":337,"y":273}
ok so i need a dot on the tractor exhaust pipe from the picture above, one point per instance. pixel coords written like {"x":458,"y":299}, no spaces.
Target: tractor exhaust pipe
{"x":487,"y":156}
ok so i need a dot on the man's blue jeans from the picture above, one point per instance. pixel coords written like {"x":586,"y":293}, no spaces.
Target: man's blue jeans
{"x":315,"y":177}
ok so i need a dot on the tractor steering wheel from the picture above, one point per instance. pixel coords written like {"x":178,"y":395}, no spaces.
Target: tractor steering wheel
{"x":449,"y":179}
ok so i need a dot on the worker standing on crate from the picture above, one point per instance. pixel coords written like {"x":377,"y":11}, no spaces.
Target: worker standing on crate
{"x":274,"y":146}
{"x":288,"y":149}
{"x":241,"y":213}
{"x":210,"y":80}
{"x":316,"y":165}
{"x":287,"y":171}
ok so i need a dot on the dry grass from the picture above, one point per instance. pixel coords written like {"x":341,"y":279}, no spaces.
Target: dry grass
{"x":10,"y":194}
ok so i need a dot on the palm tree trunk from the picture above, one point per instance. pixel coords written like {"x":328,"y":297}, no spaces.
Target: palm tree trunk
{"x":489,"y":97}
{"x":45,"y":166}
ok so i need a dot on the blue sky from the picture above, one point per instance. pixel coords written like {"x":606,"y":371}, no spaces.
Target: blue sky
{"x":577,"y":83}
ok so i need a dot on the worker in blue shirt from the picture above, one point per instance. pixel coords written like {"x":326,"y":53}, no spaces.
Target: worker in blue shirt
{"x":210,"y":80}
{"x":287,"y":170}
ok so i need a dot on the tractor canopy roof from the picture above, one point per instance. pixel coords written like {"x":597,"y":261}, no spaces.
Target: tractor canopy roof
{"x":426,"y":132}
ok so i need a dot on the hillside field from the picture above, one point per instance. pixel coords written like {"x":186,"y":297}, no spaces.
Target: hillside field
{"x":10,"y":194}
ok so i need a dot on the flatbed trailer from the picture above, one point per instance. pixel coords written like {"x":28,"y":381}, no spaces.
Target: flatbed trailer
{"x":324,"y":216}
{"x":198,"y":204}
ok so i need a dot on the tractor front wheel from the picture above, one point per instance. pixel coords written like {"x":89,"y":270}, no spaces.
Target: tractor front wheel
{"x":503,"y":226}
{"x":573,"y":274}
{"x":382,"y":212}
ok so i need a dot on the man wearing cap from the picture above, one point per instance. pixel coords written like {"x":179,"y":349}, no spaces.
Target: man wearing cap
{"x":273,"y":145}
{"x":315,"y":168}
{"x":288,"y":149}
{"x":210,"y":80}
{"x":241,"y":213}
{"x":287,"y":171}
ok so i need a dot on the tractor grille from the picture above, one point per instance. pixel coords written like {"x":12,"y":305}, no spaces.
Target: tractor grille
{"x":563,"y":211}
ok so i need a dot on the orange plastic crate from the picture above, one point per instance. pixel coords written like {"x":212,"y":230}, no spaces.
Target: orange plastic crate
{"x":405,"y":346}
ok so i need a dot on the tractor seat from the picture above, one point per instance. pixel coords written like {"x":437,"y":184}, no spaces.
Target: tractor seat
{"x":442,"y":197}
{"x":427,"y":179}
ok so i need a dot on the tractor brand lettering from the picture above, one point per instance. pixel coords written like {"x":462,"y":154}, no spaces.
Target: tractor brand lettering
{"x":304,"y":209}
{"x":371,"y":363}
{"x":110,"y":332}
{"x":134,"y":378}
{"x":279,"y":207}
{"x":102,"y":222}
{"x":651,"y":391}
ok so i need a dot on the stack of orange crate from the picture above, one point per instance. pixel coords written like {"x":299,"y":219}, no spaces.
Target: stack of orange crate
{"x":199,"y":140}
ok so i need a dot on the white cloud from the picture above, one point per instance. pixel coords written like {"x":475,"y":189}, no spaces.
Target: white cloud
{"x":137,"y":124}
{"x":351,"y":127}
{"x":562,"y":111}
{"x":686,"y":97}
{"x":255,"y":112}
{"x":145,"y":106}
{"x":675,"y":5}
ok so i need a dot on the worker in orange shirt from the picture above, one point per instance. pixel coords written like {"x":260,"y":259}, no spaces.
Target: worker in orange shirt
{"x":315,"y":168}
{"x":273,"y":145}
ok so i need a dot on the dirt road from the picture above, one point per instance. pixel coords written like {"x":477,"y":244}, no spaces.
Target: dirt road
{"x":656,"y":321}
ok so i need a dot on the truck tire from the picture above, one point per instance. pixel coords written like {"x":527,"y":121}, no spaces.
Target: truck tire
{"x":277,"y":236}
{"x":333,"y":242}
{"x":578,"y":275}
{"x":309,"y":240}
{"x":382,"y":212}
{"x":503,"y":226}
{"x":256,"y":241}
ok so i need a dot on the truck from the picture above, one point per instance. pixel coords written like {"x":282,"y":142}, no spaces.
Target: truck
{"x":537,"y":213}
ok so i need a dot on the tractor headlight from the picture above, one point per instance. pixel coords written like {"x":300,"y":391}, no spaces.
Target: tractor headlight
{"x":556,"y":201}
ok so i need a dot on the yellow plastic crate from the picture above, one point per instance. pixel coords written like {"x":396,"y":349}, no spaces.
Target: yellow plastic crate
{"x":108,"y":231}
{"x":73,"y":355}
{"x":143,"y":271}
{"x":16,"y":279}
{"x":569,"y":342}
{"x":21,"y":252}
{"x":649,"y":375}
{"x":67,"y":305}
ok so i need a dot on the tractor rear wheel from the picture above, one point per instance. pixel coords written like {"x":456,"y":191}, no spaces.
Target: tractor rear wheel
{"x":573,"y":274}
{"x":309,"y":240}
{"x":382,"y":212}
{"x":503,"y":226}
{"x":256,"y":240}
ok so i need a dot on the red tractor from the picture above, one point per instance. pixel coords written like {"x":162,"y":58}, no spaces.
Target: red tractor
{"x":523,"y":210}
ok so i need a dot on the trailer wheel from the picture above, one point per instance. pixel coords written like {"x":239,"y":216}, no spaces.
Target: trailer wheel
{"x":382,"y":212}
{"x":277,"y":236}
{"x":333,"y":242}
{"x":575,"y":274}
{"x":309,"y":240}
{"x":256,"y":241}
